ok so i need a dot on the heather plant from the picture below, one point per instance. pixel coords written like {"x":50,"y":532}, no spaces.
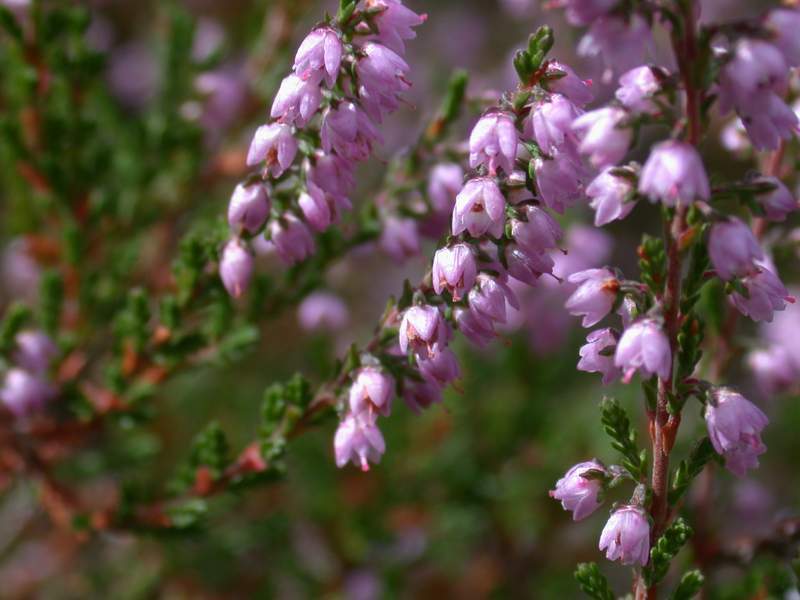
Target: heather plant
{"x":141,"y":316}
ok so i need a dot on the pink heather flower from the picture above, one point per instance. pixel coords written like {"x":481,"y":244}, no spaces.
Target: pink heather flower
{"x":526,"y":266}
{"x":348,"y":130}
{"x":595,"y":295}
{"x":493,"y":142}
{"x":333,"y":174}
{"x":296,"y":102}
{"x":35,"y":351}
{"x":394,"y":23}
{"x":539,"y":232}
{"x":480,"y":208}
{"x":774,"y":369}
{"x":733,"y":248}
{"x":358,"y":440}
{"x":765,"y":294}
{"x":400,"y":238}
{"x":490,"y":297}
{"x":778,"y":203}
{"x":597,"y":355}
{"x":604,"y":138}
{"x":319,"y":56}
{"x":444,"y":183}
{"x":626,"y":536}
{"x":644,"y":347}
{"x":236,"y":267}
{"x":550,"y":123}
{"x":757,"y":67}
{"x":381,"y":77}
{"x":571,"y":86}
{"x":584,"y":12}
{"x":316,"y":208}
{"x":454,"y":269}
{"x":421,"y":328}
{"x":559,"y":180}
{"x":674,"y":174}
{"x":275,"y":145}
{"x":476,"y":328}
{"x":784,"y":23}
{"x":734,"y":426}
{"x":578,"y":494}
{"x":248,"y":208}
{"x":621,"y":42}
{"x":611,"y":197}
{"x":768,"y":120}
{"x":419,"y":395}
{"x":638,"y":87}
{"x":440,"y":365}
{"x":373,"y":390}
{"x":292,"y":239}
{"x":23,"y":392}
{"x":323,"y":311}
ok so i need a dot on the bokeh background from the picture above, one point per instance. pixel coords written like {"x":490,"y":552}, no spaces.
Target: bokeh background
{"x":459,"y":506}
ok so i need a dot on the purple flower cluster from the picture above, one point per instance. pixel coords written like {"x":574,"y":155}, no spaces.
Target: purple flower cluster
{"x":27,"y":387}
{"x":754,"y":80}
{"x":346,"y":78}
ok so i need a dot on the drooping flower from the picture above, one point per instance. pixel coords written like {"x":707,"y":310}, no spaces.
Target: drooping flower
{"x":296,"y":101}
{"x":317,"y":210}
{"x":394,"y":23}
{"x":674,"y":174}
{"x":626,"y":536}
{"x":292,"y":239}
{"x":358,"y":440}
{"x":774,"y":368}
{"x":440,"y":365}
{"x":578,"y":494}
{"x":490,"y":297}
{"x":323,"y":311}
{"x":560,"y":179}
{"x":24,"y":393}
{"x":419,"y":395}
{"x":567,"y":83}
{"x":768,"y":120}
{"x":319,"y":56}
{"x":597,"y":355}
{"x":493,"y":142}
{"x":421,"y":328}
{"x":372,"y":389}
{"x":35,"y":351}
{"x":381,"y":77}
{"x":454,"y":269}
{"x":400,"y":238}
{"x":734,"y":426}
{"x":527,"y":266}
{"x":480,"y":208}
{"x":733,"y":248}
{"x":621,"y":42}
{"x":475,"y":327}
{"x":275,"y":145}
{"x":765,"y":294}
{"x":779,"y":202}
{"x":538,"y":232}
{"x":604,"y":138}
{"x":550,"y":123}
{"x":583,"y":12}
{"x":236,"y":267}
{"x":644,"y":347}
{"x":638,"y":87}
{"x":784,"y":23}
{"x":348,"y":130}
{"x":611,"y":197}
{"x":444,"y":183}
{"x":248,"y":208}
{"x":595,"y":296}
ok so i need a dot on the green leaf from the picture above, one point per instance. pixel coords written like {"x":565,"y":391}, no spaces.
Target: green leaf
{"x":665,"y":549}
{"x":15,"y":319}
{"x":188,"y":514}
{"x":623,"y":438}
{"x":593,"y":582}
{"x":690,"y":585}
{"x":690,"y":468}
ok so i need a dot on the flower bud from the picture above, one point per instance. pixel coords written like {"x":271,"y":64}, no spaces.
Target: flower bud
{"x":319,"y":56}
{"x":292,"y":239}
{"x":248,"y":208}
{"x":24,"y":393}
{"x":236,"y":267}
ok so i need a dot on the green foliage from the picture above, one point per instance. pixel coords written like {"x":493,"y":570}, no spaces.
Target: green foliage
{"x":653,"y":263}
{"x":210,"y":449}
{"x":527,"y":62}
{"x":689,"y":586}
{"x":282,"y":406}
{"x":593,"y":582}
{"x":690,"y":468}
{"x":188,"y":515}
{"x":14,"y":320}
{"x":52,"y":299}
{"x":623,"y":439}
{"x":665,"y":549}
{"x":690,"y":340}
